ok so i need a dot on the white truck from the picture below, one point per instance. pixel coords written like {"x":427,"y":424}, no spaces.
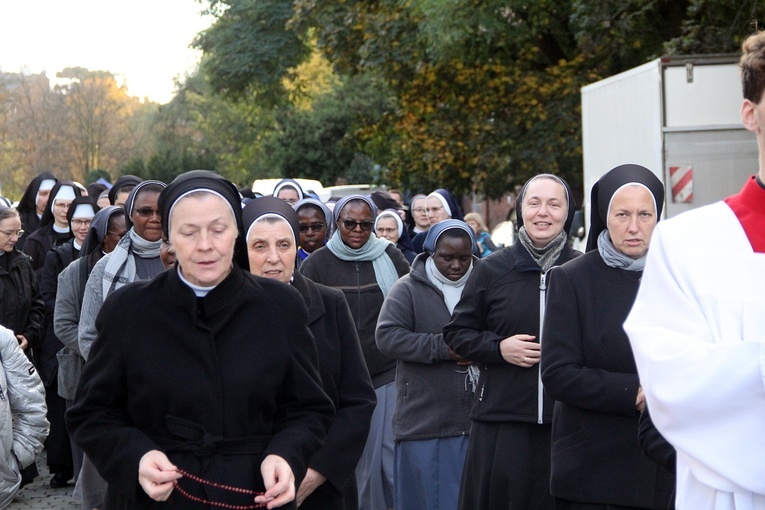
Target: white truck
{"x":680,"y":118}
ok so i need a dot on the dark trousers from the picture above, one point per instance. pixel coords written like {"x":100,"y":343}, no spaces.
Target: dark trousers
{"x":58,"y":446}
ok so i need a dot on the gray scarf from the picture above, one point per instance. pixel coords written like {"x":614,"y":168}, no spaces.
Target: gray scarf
{"x":616,"y":259}
{"x":120,"y":268}
{"x":544,"y":257}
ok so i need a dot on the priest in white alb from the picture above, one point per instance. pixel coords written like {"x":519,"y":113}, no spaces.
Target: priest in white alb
{"x":697,"y":330}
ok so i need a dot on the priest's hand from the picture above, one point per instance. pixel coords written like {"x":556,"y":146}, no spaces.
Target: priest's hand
{"x":156,"y":475}
{"x":23,"y":342}
{"x":278,"y":480}
{"x":520,"y":350}
{"x":313,"y":479}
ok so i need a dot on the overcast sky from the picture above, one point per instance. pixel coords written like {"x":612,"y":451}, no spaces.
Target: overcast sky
{"x":144,"y":42}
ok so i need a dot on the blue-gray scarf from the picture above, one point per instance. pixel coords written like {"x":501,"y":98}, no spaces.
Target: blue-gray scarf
{"x":373,"y":251}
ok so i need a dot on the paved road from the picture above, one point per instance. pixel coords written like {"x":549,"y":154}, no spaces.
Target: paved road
{"x":39,"y":496}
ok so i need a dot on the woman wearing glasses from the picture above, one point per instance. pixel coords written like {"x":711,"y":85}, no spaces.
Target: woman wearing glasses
{"x":21,"y":304}
{"x":365,"y":267}
{"x":54,"y":225}
{"x":62,"y":464}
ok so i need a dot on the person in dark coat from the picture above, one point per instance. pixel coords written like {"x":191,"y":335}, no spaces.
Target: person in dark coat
{"x":497,"y":324}
{"x":272,"y":233}
{"x":54,"y":225}
{"x":203,"y":375}
{"x":365,"y":268}
{"x":587,"y":362}
{"x":21,"y":304}
{"x":33,"y":203}
{"x":435,"y":386}
{"x":62,"y":463}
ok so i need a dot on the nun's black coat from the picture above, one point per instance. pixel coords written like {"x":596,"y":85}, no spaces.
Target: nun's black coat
{"x":589,"y":369}
{"x":346,"y":381}
{"x":217,"y":383}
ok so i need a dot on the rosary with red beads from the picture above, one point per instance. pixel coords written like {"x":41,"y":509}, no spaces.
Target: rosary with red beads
{"x":217,"y":486}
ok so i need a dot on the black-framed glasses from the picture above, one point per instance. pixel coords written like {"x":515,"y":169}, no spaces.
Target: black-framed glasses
{"x":366,"y":226}
{"x":147,"y":212}
{"x":11,"y":233}
{"x":315,"y":227}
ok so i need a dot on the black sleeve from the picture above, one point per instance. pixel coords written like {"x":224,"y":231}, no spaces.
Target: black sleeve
{"x":565,"y":374}
{"x":653,"y":444}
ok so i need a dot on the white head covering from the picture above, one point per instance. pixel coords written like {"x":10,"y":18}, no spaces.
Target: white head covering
{"x":83,"y":211}
{"x":64,"y":193}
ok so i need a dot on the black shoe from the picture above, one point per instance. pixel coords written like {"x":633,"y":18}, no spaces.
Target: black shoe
{"x":59,"y":480}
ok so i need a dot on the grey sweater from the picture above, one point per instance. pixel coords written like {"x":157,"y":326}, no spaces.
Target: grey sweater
{"x":434,"y":395}
{"x":94,"y":297}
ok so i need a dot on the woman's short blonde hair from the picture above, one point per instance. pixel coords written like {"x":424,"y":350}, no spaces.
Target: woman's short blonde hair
{"x":474,"y":216}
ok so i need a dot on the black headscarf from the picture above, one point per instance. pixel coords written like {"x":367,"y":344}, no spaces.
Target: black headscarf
{"x":200,"y":180}
{"x":73,"y":206}
{"x":47,"y":217}
{"x":569,"y":197}
{"x":289,"y":183}
{"x":604,"y":190}
{"x":456,"y":210}
{"x":99,"y":227}
{"x":271,"y":205}
{"x":28,"y":202}
{"x":122,"y":181}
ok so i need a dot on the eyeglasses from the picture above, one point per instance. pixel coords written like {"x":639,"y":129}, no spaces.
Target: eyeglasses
{"x":433,"y":209}
{"x":420,"y":210}
{"x":366,"y":226}
{"x":147,"y":212}
{"x":11,"y":233}
{"x":315,"y":227}
{"x":81,"y":222}
{"x":383,"y":230}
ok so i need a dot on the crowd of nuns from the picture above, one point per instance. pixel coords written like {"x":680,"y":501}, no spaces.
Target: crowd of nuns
{"x":203,"y":347}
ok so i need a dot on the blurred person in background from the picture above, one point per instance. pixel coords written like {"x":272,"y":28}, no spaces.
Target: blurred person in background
{"x":388,"y":225}
{"x":482,"y":235}
{"x":54,"y":224}
{"x":289,"y":190}
{"x":33,"y":203}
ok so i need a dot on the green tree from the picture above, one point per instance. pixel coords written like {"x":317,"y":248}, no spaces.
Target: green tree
{"x":485,"y":93}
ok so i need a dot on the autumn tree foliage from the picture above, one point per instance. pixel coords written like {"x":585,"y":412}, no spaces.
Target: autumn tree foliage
{"x":481,"y":93}
{"x":85,"y":121}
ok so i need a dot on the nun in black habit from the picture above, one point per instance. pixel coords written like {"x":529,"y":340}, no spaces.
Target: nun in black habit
{"x":32,"y":204}
{"x":497,"y":323}
{"x":203,"y":375}
{"x":54,"y":228}
{"x":273,"y":230}
{"x":587,"y":363}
